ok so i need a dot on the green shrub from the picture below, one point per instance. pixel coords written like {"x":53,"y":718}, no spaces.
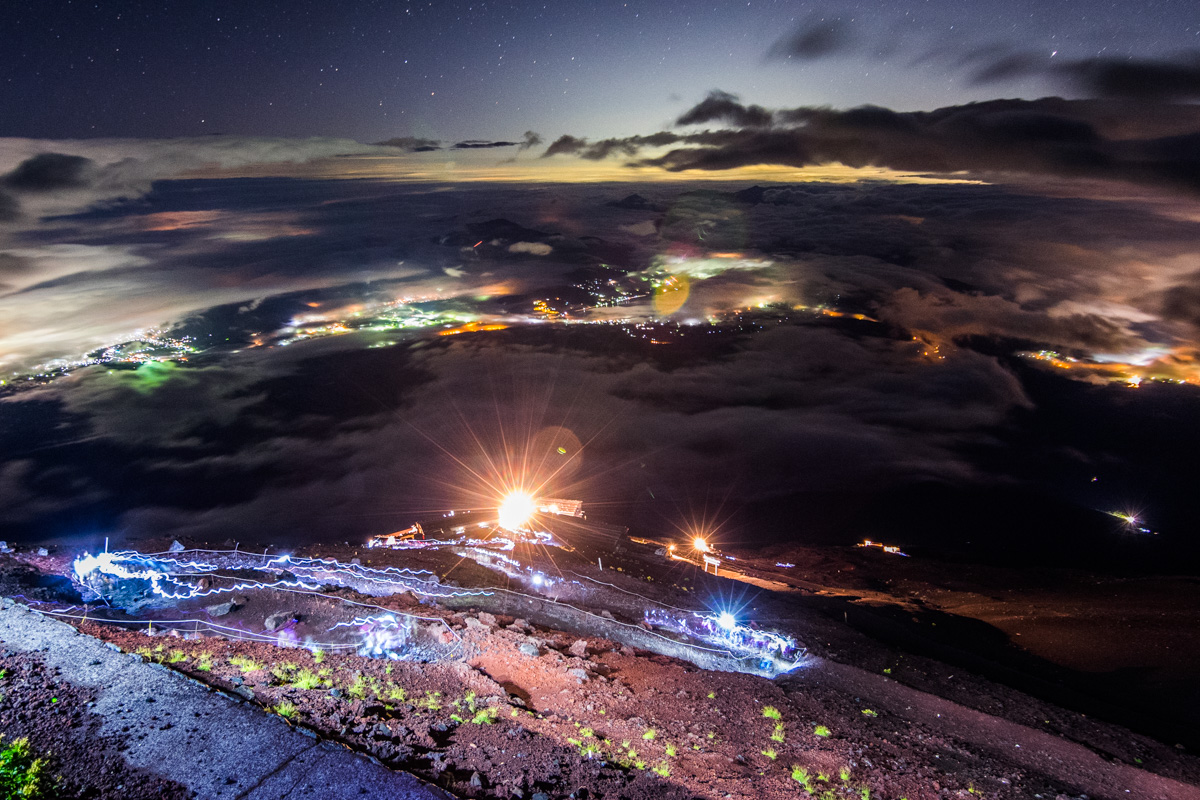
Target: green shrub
{"x":22,"y":775}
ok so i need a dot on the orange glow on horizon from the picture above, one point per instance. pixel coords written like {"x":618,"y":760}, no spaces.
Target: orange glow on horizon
{"x":473,"y":327}
{"x":466,"y":167}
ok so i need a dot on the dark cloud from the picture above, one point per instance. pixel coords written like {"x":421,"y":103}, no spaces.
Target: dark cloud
{"x":629,"y":146}
{"x":412,"y":144}
{"x":565,"y":145}
{"x":1063,"y":138}
{"x":1182,"y":302}
{"x":1175,"y":78}
{"x":10,"y":209}
{"x":530,"y":139}
{"x":480,"y":144}
{"x":817,"y":37}
{"x":724,"y":107}
{"x":1137,"y":79}
{"x":48,"y":172}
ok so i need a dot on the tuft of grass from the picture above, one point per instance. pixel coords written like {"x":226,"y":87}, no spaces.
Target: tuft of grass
{"x":306,"y":679}
{"x":282,"y":673}
{"x":245,"y":664}
{"x":770,"y":753}
{"x":21,"y":774}
{"x":844,"y":774}
{"x":587,"y":733}
{"x":771,"y":712}
{"x":285,"y":709}
{"x":176,"y":656}
{"x":430,"y":702}
{"x":822,"y":731}
{"x":358,"y":689}
{"x":649,"y":734}
{"x":870,"y":713}
{"x":485,"y":716}
{"x":672,"y":751}
{"x":318,"y":655}
{"x":663,"y":770}
{"x":712,"y":695}
{"x":204,"y":662}
{"x":778,"y":735}
{"x":396,"y":693}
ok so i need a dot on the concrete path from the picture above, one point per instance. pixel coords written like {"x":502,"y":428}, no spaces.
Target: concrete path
{"x":214,"y":745}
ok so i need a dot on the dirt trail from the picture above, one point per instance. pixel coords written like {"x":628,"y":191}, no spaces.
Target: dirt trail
{"x":1062,"y":760}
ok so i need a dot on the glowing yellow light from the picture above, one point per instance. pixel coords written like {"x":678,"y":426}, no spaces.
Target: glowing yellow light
{"x":516,"y":510}
{"x":700,"y":544}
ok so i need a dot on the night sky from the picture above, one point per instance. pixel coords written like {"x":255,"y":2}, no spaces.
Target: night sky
{"x":466,"y":70}
{"x":310,"y":270}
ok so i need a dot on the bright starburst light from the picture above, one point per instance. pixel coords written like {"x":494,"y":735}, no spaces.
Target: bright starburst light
{"x":516,"y":510}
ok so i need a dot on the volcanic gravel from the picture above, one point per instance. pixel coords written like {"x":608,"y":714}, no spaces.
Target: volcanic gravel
{"x":36,"y":701}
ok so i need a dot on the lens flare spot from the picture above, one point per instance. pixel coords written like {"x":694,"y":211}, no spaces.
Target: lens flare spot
{"x":671,"y":294}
